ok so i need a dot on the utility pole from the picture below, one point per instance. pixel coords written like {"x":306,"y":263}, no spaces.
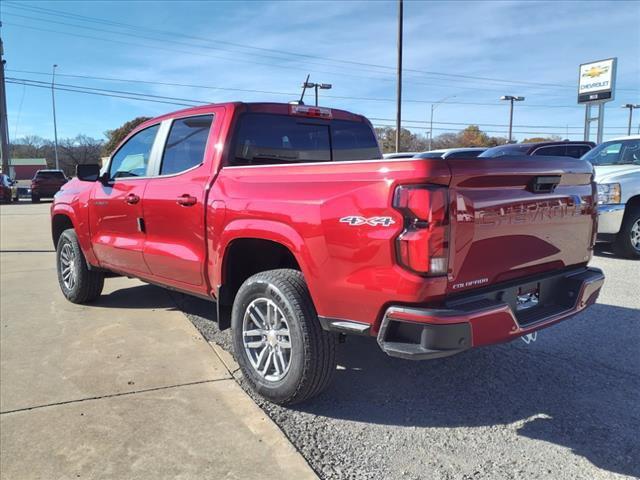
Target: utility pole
{"x":399,"y":86}
{"x":511,"y":99}
{"x":55,"y":126}
{"x":4,"y":125}
{"x":630,"y":106}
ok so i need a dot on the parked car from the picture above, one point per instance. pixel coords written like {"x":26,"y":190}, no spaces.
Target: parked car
{"x":617,"y":166}
{"x":390,"y":156}
{"x":289,"y":219}
{"x":470,"y":152}
{"x":564,"y":148}
{"x":46,"y":183}
{"x":8,"y":189}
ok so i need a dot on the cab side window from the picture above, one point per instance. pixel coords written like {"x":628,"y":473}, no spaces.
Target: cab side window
{"x":132,"y":159}
{"x":186,"y":144}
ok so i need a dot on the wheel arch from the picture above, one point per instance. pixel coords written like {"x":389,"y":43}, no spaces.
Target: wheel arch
{"x":250,"y":247}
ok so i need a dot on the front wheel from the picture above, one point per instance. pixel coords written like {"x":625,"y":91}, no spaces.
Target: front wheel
{"x":35,"y":199}
{"x":627,"y":243}
{"x":77,"y":282}
{"x":278,"y":342}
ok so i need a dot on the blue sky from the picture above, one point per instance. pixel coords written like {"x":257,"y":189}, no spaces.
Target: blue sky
{"x":347,"y":44}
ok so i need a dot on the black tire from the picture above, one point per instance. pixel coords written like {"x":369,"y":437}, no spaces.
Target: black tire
{"x":312,"y":358}
{"x":624,"y":243}
{"x":35,"y":199}
{"x":88,"y":284}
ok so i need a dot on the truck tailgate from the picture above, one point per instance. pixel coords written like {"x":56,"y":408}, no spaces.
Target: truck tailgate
{"x":518,"y":216}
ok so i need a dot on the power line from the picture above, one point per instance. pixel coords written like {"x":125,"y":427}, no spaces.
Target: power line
{"x":225,"y":58}
{"x":138,"y":28}
{"x":132,"y":96}
{"x":341,"y":97}
{"x":485,"y":124}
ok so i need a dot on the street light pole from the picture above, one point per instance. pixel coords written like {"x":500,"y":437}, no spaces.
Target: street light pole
{"x":399,"y":86}
{"x":433,"y":107}
{"x":630,"y":106}
{"x":511,"y":99}
{"x":55,"y":126}
{"x":315,"y":86}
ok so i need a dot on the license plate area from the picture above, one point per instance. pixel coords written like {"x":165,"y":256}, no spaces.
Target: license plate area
{"x":527,"y":297}
{"x":530,"y":301}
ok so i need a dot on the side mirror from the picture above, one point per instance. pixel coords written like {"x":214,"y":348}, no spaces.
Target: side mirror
{"x":88,"y":172}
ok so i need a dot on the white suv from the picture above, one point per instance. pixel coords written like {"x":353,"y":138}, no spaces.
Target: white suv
{"x":617,"y":166}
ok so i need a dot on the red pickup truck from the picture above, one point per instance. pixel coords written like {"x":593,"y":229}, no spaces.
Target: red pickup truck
{"x":288,"y":217}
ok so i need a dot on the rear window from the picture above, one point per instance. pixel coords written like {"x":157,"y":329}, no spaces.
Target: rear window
{"x":263,"y":139}
{"x":50,"y":175}
{"x":503,"y":150}
{"x":465,"y":154}
{"x":552,"y":151}
{"x":430,"y":155}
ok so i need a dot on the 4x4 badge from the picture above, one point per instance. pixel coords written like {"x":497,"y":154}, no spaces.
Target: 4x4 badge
{"x":355,"y":221}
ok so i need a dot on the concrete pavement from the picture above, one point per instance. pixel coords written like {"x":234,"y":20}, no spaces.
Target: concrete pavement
{"x":123,"y":388}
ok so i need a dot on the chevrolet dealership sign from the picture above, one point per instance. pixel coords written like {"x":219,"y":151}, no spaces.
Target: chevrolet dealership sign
{"x":596,"y":81}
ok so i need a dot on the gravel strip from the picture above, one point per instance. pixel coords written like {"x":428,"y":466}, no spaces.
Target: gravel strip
{"x":567,"y":406}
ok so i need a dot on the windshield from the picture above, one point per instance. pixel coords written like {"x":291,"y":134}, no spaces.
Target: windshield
{"x":503,"y":150}
{"x":615,"y":152}
{"x":263,"y":138}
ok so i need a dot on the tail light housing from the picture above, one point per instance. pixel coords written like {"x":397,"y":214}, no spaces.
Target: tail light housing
{"x":423,"y":246}
{"x":308,"y":111}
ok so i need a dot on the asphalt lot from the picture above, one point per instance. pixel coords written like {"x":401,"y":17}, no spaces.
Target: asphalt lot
{"x":566,"y":406}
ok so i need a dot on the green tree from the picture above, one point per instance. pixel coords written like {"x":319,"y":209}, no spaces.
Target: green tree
{"x":115,"y":136}
{"x":409,"y":142}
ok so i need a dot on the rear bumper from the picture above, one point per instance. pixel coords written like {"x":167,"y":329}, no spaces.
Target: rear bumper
{"x":610,"y":218}
{"x":486,"y":318}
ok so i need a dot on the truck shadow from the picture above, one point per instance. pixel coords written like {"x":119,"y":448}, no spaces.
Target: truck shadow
{"x":578,"y":386}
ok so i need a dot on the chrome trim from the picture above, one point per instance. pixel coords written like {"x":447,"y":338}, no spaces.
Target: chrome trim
{"x":610,"y":218}
{"x":344,"y":326}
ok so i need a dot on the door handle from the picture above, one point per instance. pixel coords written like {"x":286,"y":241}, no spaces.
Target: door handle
{"x":186,"y":200}
{"x":132,"y":199}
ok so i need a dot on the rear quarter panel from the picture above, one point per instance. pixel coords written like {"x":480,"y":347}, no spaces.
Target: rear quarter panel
{"x":350,"y":270}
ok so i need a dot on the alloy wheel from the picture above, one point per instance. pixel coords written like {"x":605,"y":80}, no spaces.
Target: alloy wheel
{"x":635,"y":235}
{"x":267,"y":339}
{"x":68,"y":266}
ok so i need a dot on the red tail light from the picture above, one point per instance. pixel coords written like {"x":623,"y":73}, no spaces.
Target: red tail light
{"x":423,"y":246}
{"x":307,"y":111}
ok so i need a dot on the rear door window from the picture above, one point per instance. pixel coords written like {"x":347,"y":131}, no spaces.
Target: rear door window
{"x":186,"y":144}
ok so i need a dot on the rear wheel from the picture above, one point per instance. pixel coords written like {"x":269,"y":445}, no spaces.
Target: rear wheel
{"x":77,"y":282}
{"x":278,"y":342}
{"x":627,"y":243}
